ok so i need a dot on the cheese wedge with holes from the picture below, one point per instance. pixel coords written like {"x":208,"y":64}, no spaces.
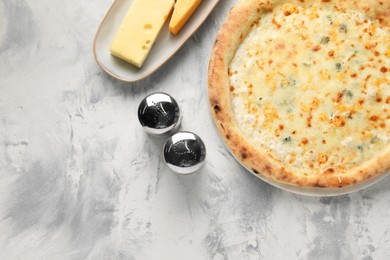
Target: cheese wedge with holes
{"x":140,"y":29}
{"x":183,"y":11}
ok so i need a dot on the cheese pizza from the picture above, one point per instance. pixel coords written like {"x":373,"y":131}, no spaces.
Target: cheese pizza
{"x":300,"y":89}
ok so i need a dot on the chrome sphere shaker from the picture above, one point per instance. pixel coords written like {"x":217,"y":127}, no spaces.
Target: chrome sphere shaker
{"x":184,"y":152}
{"x":159,"y":113}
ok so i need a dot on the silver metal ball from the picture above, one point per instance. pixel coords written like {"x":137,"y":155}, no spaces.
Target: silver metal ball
{"x":184,"y":152}
{"x":159,"y":113}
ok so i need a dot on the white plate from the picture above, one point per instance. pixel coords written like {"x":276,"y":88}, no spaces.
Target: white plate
{"x":320,"y":192}
{"x":165,"y":46}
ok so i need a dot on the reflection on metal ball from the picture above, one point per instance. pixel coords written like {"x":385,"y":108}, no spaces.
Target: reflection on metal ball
{"x":159,"y":113}
{"x":184,"y":152}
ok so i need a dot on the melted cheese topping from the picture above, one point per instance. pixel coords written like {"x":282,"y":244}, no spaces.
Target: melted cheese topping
{"x":311,"y":86}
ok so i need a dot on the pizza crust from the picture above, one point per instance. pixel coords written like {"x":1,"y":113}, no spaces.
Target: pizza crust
{"x":233,"y":31}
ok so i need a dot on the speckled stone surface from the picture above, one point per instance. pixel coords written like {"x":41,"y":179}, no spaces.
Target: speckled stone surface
{"x":80,"y":179}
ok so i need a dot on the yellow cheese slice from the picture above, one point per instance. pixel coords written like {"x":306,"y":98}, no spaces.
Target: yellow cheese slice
{"x":140,"y":29}
{"x":183,"y":11}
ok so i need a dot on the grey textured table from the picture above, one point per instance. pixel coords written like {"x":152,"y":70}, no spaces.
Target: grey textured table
{"x":80,"y":179}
